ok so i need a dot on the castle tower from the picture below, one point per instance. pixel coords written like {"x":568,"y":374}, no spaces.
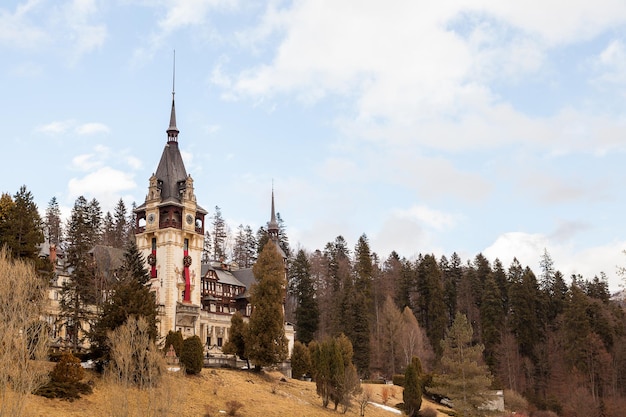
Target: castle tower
{"x":169,"y":231}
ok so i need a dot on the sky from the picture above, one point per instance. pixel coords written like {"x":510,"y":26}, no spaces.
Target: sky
{"x":468,"y":126}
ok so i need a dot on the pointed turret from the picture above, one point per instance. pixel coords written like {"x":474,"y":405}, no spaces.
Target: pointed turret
{"x":272,"y":226}
{"x":172,"y":131}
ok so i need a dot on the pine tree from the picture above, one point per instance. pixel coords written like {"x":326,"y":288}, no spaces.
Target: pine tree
{"x":300,"y":360}
{"x":236,"y":344}
{"x":191,"y":356}
{"x":130,"y":297}
{"x":464,"y":379}
{"x":80,"y":292}
{"x":307,"y":310}
{"x":23,"y":229}
{"x":206,"y":248}
{"x":266,"y":343}
{"x":412,"y":394}
{"x":53,"y":223}
{"x":492,"y":318}
{"x":431,"y":310}
{"x":283,"y":240}
{"x":121,"y":225}
{"x":219,"y":236}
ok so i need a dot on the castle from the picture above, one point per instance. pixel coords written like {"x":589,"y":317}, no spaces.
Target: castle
{"x":194,"y":299}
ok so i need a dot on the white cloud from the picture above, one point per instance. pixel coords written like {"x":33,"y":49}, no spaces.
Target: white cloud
{"x":92,"y":128}
{"x":106,"y":184}
{"x":16,"y":29}
{"x":62,"y":127}
{"x":56,"y":128}
{"x":611,"y":63}
{"x":178,"y":15}
{"x":433,"y":218}
{"x":86,"y":162}
{"x":588,"y":262}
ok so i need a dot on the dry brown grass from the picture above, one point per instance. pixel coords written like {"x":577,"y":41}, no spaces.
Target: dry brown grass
{"x":196,"y":396}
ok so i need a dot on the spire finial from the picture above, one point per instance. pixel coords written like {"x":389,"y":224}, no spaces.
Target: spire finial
{"x":172,"y":131}
{"x":272,"y":226}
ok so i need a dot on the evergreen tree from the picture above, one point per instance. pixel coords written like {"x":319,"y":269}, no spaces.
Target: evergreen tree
{"x":174,"y":339}
{"x":192,"y":357}
{"x":80,"y":292}
{"x":220,"y":235}
{"x":412,"y":394}
{"x":206,"y":248}
{"x":108,"y":230}
{"x":525,"y":309}
{"x":300,"y":360}
{"x":464,"y":379}
{"x":266,"y":343}
{"x":121,"y":225}
{"x":6,"y":206}
{"x":94,"y":215}
{"x":492,"y":318}
{"x":236,"y":344}
{"x":283,"y":240}
{"x":53,"y":223}
{"x":431,"y":310}
{"x":307,"y":311}
{"x":22,"y":226}
{"x":130,"y":297}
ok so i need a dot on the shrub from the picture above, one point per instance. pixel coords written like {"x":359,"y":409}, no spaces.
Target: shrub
{"x":174,"y":339}
{"x":232,"y":407}
{"x":68,"y":369}
{"x":191,"y":356}
{"x":398,"y":379}
{"x":300,"y":360}
{"x":515,"y":401}
{"x":65,"y":380}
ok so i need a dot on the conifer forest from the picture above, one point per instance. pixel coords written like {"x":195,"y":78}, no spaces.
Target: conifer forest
{"x":558,"y":341}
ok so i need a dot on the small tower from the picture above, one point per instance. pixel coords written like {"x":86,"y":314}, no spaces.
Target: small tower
{"x":170,"y":233}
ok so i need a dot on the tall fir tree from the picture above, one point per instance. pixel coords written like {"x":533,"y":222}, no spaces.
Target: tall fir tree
{"x":219,"y":235}
{"x":464,"y":378}
{"x":266,"y":343}
{"x":80,"y":291}
{"x":492,"y":318}
{"x":53,"y":223}
{"x":23,"y":229}
{"x":130,"y":297}
{"x":431,"y":310}
{"x":121,"y":225}
{"x":307,"y":310}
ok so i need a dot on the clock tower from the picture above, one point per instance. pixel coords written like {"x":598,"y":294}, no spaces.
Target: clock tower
{"x":169,"y":231}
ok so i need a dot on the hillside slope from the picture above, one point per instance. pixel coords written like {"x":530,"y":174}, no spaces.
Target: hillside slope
{"x":207,"y":395}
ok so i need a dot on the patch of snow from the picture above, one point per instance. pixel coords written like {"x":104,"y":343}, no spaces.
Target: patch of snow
{"x":386,"y":408}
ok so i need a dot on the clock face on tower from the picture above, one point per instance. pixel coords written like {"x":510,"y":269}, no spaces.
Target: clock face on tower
{"x":151,"y":218}
{"x":189,"y":219}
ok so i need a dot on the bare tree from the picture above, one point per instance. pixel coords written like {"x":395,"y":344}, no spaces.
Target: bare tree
{"x":138,"y":381}
{"x":414,"y":341}
{"x":23,"y":336}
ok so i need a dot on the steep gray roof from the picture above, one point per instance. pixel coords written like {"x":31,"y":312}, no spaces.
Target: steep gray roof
{"x":171,"y":172}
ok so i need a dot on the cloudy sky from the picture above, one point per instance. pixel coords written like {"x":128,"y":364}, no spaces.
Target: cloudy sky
{"x":470,"y":126}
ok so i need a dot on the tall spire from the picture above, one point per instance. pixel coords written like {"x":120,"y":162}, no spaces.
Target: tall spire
{"x":272,"y":226}
{"x":172,"y":131}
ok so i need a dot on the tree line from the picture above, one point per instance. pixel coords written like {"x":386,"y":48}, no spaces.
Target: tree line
{"x":560,"y":344}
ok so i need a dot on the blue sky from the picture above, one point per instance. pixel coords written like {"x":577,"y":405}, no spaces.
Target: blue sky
{"x":470,"y":126}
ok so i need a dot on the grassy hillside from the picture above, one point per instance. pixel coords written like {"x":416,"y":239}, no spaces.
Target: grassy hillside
{"x":208,"y":395}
